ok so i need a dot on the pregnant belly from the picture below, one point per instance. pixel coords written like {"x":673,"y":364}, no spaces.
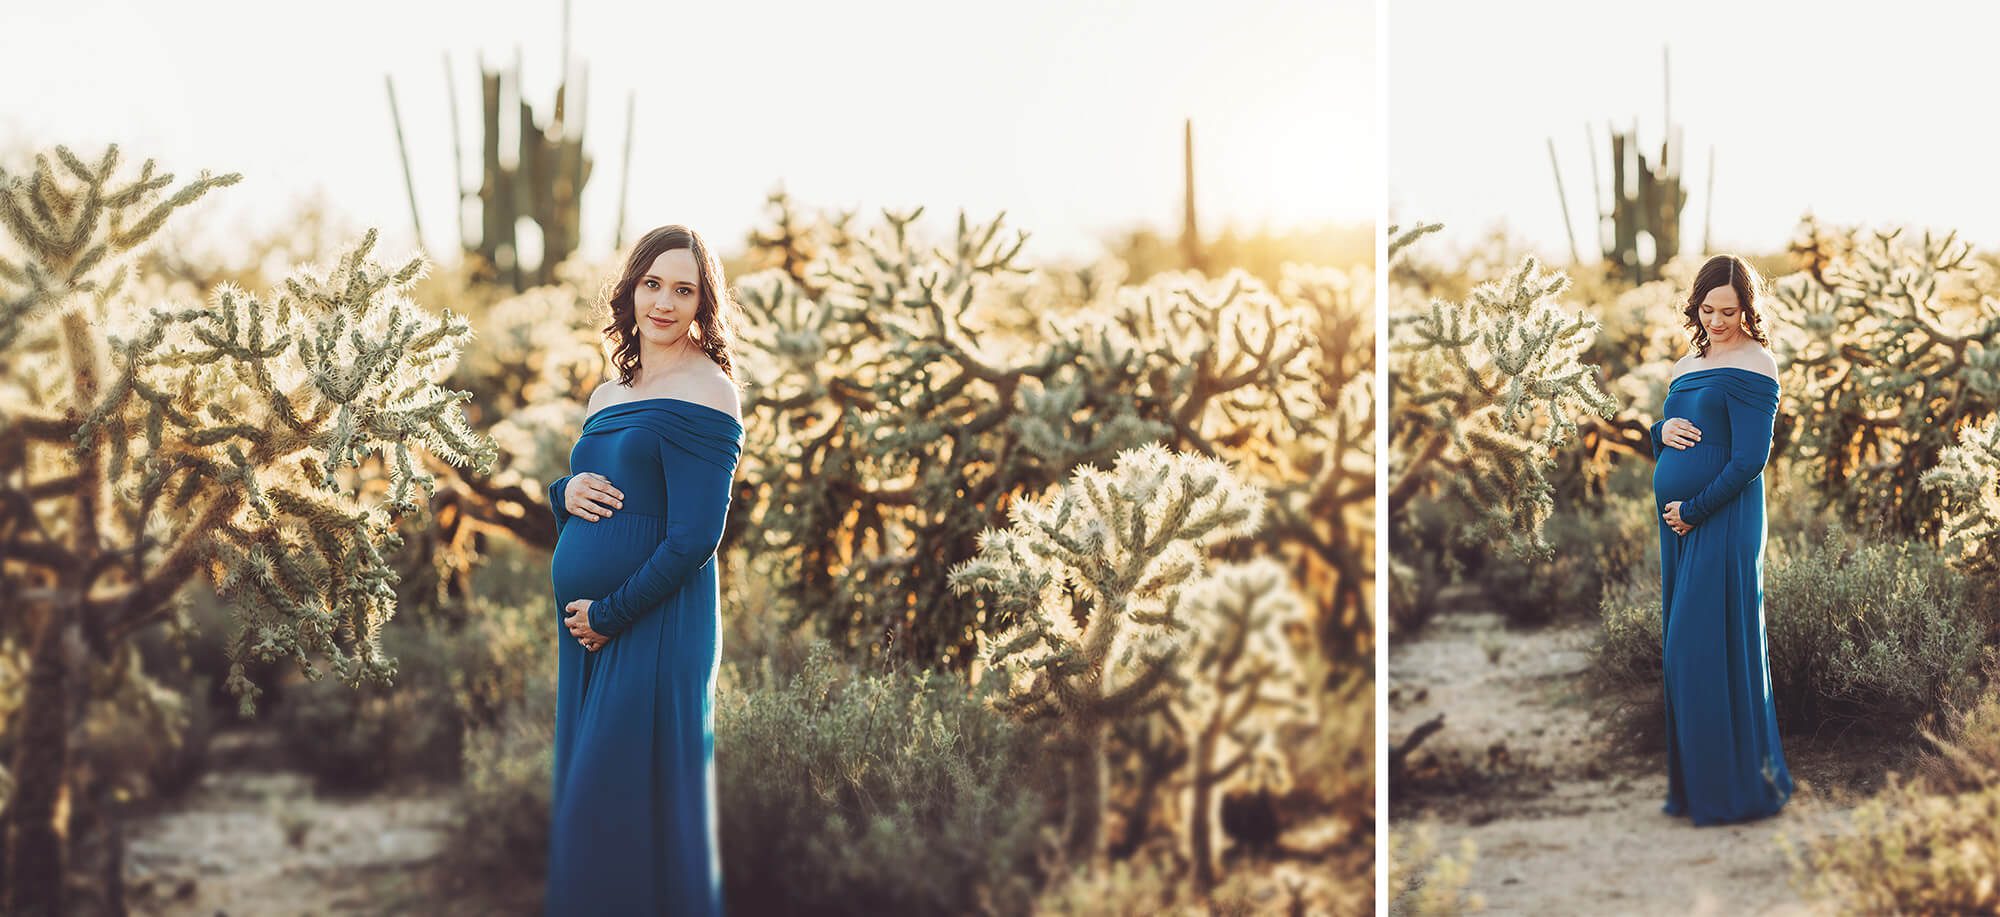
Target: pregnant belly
{"x":1682,"y":473}
{"x":593,"y":559}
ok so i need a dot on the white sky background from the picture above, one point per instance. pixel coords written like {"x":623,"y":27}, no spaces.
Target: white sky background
{"x":1067,"y":116}
{"x":1875,"y":113}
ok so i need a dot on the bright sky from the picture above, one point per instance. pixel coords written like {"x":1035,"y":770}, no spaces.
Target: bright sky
{"x":1067,"y":116}
{"x":1872,"y":112}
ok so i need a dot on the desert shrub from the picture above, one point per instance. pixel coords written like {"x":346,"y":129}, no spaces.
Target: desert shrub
{"x":1965,"y":746}
{"x":1877,"y":633}
{"x":1910,"y":852}
{"x":839,"y":792}
{"x":874,"y":793}
{"x":148,"y":734}
{"x":1154,"y":884}
{"x":1594,"y":546}
{"x":1881,"y":632}
{"x":1928,"y":845}
{"x":358,"y":739}
{"x":1629,"y":647}
{"x":503,"y":800}
{"x":1423,"y":880}
{"x":1428,"y":557}
{"x":504,"y":688}
{"x":1334,"y":761}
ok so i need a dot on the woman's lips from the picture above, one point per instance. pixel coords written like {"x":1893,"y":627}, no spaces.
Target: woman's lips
{"x":657,"y":323}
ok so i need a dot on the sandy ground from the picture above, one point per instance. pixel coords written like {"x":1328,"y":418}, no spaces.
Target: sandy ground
{"x":1564,"y":821}
{"x":254,"y":838}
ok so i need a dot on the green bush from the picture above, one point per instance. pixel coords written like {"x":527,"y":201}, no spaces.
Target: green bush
{"x":1910,"y":852}
{"x":503,"y":799}
{"x":505,"y":691}
{"x":1153,"y":884}
{"x":1594,"y":546}
{"x":1929,"y":845}
{"x":850,"y":793}
{"x":1628,"y":657}
{"x":359,"y":739}
{"x":1424,"y":880}
{"x":1334,"y":759}
{"x":1425,"y":558}
{"x":1876,"y":633}
{"x":1965,"y":749}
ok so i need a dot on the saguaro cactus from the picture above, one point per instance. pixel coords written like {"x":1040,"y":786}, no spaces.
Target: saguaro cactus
{"x":230,"y":441}
{"x":544,"y":183}
{"x":1093,"y":575}
{"x":1646,"y":199}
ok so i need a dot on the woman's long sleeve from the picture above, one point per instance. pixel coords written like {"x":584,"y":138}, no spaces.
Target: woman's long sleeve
{"x":1750,"y":431}
{"x":556,"y":501}
{"x":697,"y":505}
{"x":1659,"y":444}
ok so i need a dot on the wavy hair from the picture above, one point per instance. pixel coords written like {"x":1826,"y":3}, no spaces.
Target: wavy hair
{"x":1736,"y":273}
{"x":713,"y":330}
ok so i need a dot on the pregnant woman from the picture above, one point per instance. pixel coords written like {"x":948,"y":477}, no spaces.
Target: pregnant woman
{"x":1723,"y":759}
{"x":633,"y":820}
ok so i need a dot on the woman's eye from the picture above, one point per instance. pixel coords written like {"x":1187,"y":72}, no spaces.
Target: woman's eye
{"x":685,"y":291}
{"x":650,"y":284}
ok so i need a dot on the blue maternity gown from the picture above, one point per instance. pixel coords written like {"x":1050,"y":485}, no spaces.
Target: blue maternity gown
{"x":1723,"y":759}
{"x":633,"y":816}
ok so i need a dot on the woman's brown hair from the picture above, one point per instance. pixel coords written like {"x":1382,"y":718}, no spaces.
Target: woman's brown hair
{"x":712,"y":330}
{"x":1737,"y":274}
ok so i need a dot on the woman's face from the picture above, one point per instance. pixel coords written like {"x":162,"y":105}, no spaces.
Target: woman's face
{"x":1721,"y":315}
{"x":666,"y":298}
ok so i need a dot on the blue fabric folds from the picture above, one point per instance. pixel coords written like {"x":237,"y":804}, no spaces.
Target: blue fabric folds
{"x":633,"y":826}
{"x":1724,"y":761}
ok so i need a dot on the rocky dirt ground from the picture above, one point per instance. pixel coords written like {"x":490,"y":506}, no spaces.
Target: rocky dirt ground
{"x":1534,"y":768}
{"x":255,"y":838}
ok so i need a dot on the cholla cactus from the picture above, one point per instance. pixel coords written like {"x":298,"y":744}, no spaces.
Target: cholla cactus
{"x":1242,"y":678}
{"x":230,"y":441}
{"x":1967,"y":481}
{"x":1090,"y":581}
{"x":339,"y":365}
{"x":1331,"y":515}
{"x":1482,"y":391}
{"x":1888,"y":349}
{"x":903,"y":404}
{"x":1227,"y":358}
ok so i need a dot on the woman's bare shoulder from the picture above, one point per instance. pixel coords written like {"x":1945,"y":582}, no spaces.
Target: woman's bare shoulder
{"x":1688,"y":362}
{"x":599,"y":396}
{"x":713,"y":388}
{"x":1760,"y":359}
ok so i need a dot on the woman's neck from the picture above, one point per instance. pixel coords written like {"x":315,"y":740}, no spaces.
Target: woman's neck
{"x":1730,"y":349}
{"x":656,"y":363}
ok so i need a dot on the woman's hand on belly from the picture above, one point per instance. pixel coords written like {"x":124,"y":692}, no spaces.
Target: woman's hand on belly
{"x":590,"y":495}
{"x":1679,"y":433}
{"x":1673,"y":518}
{"x":578,"y":622}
